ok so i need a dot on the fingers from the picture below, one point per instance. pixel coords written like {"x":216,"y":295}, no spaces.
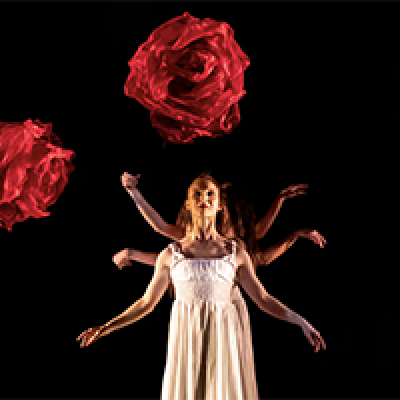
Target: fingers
{"x":308,"y":336}
{"x":295,"y":190}
{"x":315,"y":236}
{"x":88,"y":337}
{"x":319,"y":342}
{"x":300,"y":186}
{"x":83,"y":337}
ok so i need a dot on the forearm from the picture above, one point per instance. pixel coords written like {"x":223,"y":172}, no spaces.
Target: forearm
{"x":148,"y":212}
{"x":265,"y":223}
{"x":278,"y":249}
{"x":135,"y":312}
{"x":274,"y":307}
{"x":142,"y":257}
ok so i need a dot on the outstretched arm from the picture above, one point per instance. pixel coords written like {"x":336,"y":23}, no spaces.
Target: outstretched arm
{"x":140,"y":308}
{"x":124,"y":257}
{"x":278,"y":249}
{"x":254,"y":288}
{"x":251,"y":284}
{"x":151,"y":216}
{"x":265,"y":223}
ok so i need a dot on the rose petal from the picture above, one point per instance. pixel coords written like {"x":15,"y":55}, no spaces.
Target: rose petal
{"x":35,"y":170}
{"x":189,"y":71}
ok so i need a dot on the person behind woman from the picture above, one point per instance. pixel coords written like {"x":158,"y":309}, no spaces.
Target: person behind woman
{"x":206,"y":355}
{"x":241,"y":226}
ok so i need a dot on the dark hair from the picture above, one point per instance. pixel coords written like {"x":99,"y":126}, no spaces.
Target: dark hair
{"x":243,"y":219}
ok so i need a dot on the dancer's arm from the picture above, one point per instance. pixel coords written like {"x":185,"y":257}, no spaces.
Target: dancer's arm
{"x":274,"y":251}
{"x":124,"y":257}
{"x":265,"y":223}
{"x":141,"y":307}
{"x":254,"y":288}
{"x":151,"y":216}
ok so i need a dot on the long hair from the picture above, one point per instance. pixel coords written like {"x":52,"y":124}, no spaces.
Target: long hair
{"x":243,"y":220}
{"x":223,"y":223}
{"x":237,"y":217}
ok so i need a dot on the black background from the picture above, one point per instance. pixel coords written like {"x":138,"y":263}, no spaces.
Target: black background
{"x":321,"y":108}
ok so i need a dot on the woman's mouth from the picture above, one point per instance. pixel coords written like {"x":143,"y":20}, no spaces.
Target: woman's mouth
{"x":203,"y":206}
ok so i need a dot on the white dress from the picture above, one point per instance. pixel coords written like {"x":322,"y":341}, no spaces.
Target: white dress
{"x":210,"y":355}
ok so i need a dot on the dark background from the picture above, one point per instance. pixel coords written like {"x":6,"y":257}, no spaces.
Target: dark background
{"x":321,"y":108}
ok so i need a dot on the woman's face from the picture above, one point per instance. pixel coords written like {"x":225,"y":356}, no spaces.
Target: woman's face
{"x":203,"y":198}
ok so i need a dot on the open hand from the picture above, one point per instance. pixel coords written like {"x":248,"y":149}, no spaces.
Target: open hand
{"x":129,"y":181}
{"x":292,"y":191}
{"x":312,"y":235}
{"x":89,"y":336}
{"x":313,"y":336}
{"x":121,"y":259}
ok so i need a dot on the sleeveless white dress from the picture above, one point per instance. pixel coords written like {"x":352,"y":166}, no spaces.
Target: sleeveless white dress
{"x":210,"y":352}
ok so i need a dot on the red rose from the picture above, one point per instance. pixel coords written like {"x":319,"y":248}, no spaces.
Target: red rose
{"x":189,"y":74}
{"x":34,"y":170}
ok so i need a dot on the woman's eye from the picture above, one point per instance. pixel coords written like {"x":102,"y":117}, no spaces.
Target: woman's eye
{"x":197,"y":193}
{"x":210,"y":193}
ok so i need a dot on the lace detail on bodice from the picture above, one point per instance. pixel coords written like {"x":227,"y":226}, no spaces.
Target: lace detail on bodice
{"x":199,"y":279}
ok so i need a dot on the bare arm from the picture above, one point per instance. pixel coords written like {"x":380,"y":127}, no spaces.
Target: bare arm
{"x":143,"y":257}
{"x":148,"y":301}
{"x":151,"y":216}
{"x":265,"y":223}
{"x":250,"y":283}
{"x":273,"y":252}
{"x":254,"y":288}
{"x":124,"y":257}
{"x":276,"y":250}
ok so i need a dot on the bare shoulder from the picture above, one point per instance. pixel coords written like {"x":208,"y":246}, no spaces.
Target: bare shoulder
{"x":242,"y":256}
{"x":164,"y":259}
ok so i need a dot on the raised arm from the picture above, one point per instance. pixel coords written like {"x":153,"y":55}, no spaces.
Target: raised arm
{"x":253,"y":287}
{"x":265,"y":223}
{"x":140,"y":308}
{"x":151,"y":216}
{"x":274,"y":251}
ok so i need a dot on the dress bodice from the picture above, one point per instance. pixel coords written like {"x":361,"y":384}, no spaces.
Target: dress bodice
{"x":201,"y":279}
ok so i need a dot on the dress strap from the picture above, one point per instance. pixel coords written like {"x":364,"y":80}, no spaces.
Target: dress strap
{"x":176,"y":253}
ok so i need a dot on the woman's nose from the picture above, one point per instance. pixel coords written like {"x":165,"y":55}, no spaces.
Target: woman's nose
{"x":204,"y":197}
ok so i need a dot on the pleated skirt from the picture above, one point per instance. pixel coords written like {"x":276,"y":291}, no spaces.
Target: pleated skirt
{"x":210,"y":352}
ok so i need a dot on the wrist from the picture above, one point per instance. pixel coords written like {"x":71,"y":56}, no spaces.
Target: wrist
{"x":296,"y":234}
{"x":132,"y":190}
{"x":129,"y":254}
{"x":294,"y":318}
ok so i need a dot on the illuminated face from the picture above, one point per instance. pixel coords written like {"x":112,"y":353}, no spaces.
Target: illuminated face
{"x":203,"y":198}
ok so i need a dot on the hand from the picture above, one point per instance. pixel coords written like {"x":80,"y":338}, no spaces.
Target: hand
{"x":313,"y":336}
{"x":89,"y":336}
{"x":292,"y":191}
{"x":121,"y":259}
{"x":129,"y":181}
{"x":312,"y":235}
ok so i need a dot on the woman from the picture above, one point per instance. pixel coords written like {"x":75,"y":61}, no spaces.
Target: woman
{"x":243,"y":229}
{"x":206,"y":356}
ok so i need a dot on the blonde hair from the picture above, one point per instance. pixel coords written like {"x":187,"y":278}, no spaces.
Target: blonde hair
{"x":235,"y":212}
{"x":223,"y":224}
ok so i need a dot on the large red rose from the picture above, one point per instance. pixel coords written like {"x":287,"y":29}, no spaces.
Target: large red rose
{"x":34,"y":170}
{"x":189,"y":74}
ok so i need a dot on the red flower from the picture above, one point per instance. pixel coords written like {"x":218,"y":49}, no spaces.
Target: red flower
{"x":34,"y":170}
{"x":189,"y":74}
